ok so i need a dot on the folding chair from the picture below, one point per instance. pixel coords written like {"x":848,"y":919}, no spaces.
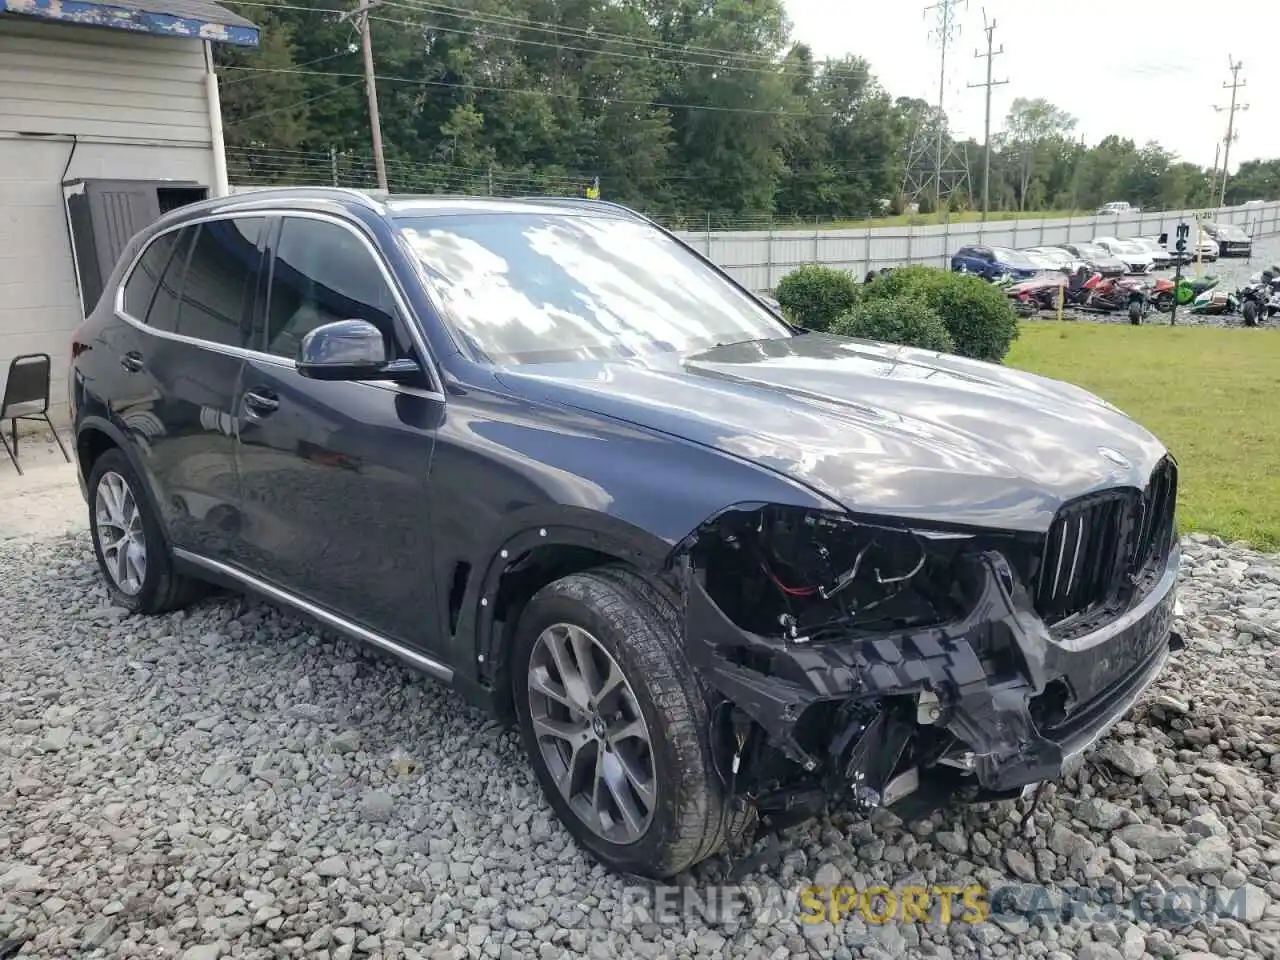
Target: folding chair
{"x":26,"y":397}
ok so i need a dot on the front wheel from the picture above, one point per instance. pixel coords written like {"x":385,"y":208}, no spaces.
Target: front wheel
{"x":1135,"y":312}
{"x":615,"y":724}
{"x":1250,"y":311}
{"x":132,"y":552}
{"x":1163,"y":302}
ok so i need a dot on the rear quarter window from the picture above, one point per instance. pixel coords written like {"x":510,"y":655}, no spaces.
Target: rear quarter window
{"x":143,"y":283}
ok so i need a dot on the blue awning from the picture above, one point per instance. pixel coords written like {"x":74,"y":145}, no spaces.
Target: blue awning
{"x":193,"y":19}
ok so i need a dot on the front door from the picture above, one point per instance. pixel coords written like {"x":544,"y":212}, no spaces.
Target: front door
{"x":334,"y":474}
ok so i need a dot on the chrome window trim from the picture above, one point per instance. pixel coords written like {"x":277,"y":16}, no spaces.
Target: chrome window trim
{"x":436,"y":391}
{"x":324,"y":615}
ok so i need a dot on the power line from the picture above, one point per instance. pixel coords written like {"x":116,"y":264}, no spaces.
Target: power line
{"x":1235,"y":84}
{"x":290,"y":106}
{"x":991,"y":54}
{"x":482,"y":88}
{"x":652,"y":51}
{"x":558,"y":30}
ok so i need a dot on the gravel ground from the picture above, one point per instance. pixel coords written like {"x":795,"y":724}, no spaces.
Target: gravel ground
{"x":232,"y":782}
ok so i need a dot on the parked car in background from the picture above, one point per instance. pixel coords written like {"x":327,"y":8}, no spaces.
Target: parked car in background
{"x":1205,"y":249}
{"x":1116,"y":208}
{"x":1232,"y":241}
{"x":992,"y":262}
{"x":1053,"y":258}
{"x":808,"y":571}
{"x":1137,"y":259}
{"x":1161,"y":257}
{"x":1097,"y":258}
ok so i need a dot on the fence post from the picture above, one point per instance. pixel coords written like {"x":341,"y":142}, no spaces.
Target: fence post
{"x":1015,"y":234}
{"x":769,"y":255}
{"x":909,"y":261}
{"x":708,"y":240}
{"x":1071,"y":216}
{"x":866,"y":246}
{"x":813,"y":258}
{"x":946,"y":243}
{"x":1041,"y":232}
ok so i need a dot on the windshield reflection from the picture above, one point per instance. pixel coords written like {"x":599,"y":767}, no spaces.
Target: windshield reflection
{"x":554,"y":287}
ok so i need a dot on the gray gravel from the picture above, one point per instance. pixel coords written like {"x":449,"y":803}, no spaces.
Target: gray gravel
{"x":233,"y":782}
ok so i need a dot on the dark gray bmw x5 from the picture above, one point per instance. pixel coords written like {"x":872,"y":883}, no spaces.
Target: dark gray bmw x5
{"x":715,"y":566}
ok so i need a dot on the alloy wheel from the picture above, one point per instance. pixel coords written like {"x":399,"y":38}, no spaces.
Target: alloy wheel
{"x":118,"y":523}
{"x":591,"y":733}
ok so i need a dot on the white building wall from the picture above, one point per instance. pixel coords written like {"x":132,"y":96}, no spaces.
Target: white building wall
{"x":82,"y":102}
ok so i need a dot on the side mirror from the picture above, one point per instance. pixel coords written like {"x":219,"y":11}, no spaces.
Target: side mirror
{"x":350,"y":350}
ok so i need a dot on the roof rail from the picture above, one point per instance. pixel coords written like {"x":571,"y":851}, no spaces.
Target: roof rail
{"x":370,"y":198}
{"x":588,"y":202}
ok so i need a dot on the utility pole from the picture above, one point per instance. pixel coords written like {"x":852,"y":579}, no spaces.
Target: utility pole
{"x":991,"y":54}
{"x":1235,"y":84}
{"x":361,"y":17}
{"x":945,"y":30}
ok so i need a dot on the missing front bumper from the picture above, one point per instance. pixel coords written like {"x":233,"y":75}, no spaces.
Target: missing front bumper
{"x":1008,"y":704}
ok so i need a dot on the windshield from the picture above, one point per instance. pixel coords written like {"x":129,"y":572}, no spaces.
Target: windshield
{"x":1014,"y":258}
{"x":1092,"y":250}
{"x":544,"y":287}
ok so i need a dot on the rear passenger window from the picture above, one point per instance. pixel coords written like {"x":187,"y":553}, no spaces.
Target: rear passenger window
{"x":144,"y":281}
{"x":322,"y":272}
{"x":221,"y":280}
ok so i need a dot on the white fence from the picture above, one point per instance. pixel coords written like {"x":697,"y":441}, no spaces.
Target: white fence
{"x":758,"y":259}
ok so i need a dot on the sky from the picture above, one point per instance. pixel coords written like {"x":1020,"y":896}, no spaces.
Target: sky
{"x":1144,"y":69}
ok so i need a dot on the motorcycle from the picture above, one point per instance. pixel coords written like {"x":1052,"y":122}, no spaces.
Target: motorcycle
{"x":1164,"y":293}
{"x":1215,"y":303}
{"x":1253,"y":298}
{"x":1031,"y":296}
{"x":1119,"y":293}
{"x":1260,"y":296}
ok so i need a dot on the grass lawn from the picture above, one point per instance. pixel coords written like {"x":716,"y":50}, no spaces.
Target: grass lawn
{"x":964,"y":216}
{"x":1212,"y":396}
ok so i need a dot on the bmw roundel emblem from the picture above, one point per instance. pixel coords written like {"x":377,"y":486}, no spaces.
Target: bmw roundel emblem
{"x":1114,"y":456}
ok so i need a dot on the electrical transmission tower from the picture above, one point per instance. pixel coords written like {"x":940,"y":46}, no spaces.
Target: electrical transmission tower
{"x":1235,"y":84}
{"x":945,"y":175}
{"x":989,"y":29}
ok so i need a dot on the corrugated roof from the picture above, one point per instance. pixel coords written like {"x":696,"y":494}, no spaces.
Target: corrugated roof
{"x":203,"y":10}
{"x":202,"y":19}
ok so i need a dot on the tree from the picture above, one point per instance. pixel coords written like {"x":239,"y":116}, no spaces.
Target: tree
{"x":682,"y":108}
{"x":1026,"y":128}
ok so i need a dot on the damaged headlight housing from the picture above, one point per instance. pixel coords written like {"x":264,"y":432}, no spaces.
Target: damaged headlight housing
{"x":809,"y":575}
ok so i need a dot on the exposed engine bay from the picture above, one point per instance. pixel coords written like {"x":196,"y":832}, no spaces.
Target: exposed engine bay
{"x":859,"y":662}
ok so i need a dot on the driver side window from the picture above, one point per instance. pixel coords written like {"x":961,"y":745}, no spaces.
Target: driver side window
{"x":322,"y":272}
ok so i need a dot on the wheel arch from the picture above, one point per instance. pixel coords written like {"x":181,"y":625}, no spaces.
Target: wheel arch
{"x":97,"y":435}
{"x":536,"y":554}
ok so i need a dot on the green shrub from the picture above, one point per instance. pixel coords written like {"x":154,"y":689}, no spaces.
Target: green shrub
{"x":979,"y":317}
{"x":814,"y":296}
{"x":905,"y":320}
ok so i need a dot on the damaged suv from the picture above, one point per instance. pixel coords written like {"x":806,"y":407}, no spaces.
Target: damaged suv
{"x":713,"y":565}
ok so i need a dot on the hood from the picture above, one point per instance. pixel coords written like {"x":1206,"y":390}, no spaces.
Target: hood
{"x":879,"y":429}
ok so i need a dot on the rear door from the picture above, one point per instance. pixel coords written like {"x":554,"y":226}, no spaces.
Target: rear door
{"x":334,"y":474}
{"x":189,"y":305}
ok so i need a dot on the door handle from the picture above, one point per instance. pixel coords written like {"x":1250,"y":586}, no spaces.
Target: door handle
{"x":259,"y":403}
{"x":132,"y":361}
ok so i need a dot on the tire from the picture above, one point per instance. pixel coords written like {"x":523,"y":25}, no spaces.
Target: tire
{"x":1135,"y":312}
{"x":1250,"y":311}
{"x":1163,"y":302}
{"x":152,"y":586}
{"x":636,"y":626}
